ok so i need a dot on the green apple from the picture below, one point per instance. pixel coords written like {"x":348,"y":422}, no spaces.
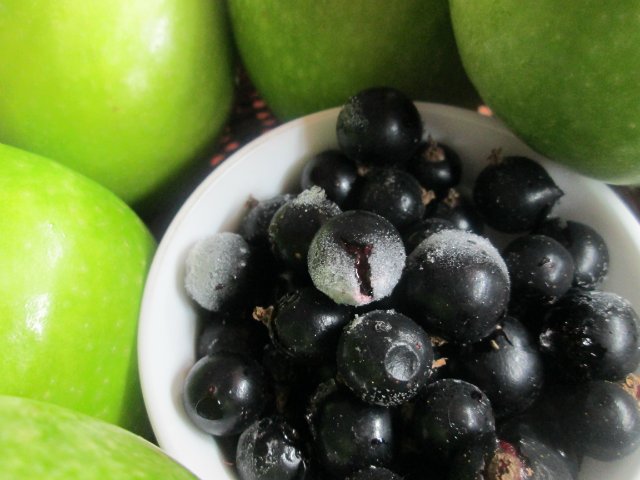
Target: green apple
{"x":307,"y":55}
{"x":562,"y":75}
{"x":73,"y":261}
{"x":127,"y":92}
{"x":42,"y":440}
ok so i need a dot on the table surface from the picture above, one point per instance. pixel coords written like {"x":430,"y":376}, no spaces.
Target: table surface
{"x":251,"y":117}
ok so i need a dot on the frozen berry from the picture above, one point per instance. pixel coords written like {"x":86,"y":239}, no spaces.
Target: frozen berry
{"x":458,"y":209}
{"x":217,"y":270}
{"x":379,"y":126}
{"x":456,"y":285}
{"x":356,"y":257}
{"x":236,"y":334}
{"x":384,"y":357}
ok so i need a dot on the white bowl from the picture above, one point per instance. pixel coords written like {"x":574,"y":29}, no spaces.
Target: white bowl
{"x":270,"y":165}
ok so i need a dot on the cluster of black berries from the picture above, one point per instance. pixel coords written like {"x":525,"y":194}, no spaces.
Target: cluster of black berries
{"x":366,"y":328}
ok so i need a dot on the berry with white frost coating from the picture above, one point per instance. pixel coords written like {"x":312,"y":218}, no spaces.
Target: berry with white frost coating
{"x":356,"y":257}
{"x":217,"y":270}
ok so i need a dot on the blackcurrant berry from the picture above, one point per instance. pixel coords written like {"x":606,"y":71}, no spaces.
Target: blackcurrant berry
{"x":436,"y":166}
{"x":379,"y":126}
{"x":591,"y":335}
{"x":332,"y":171}
{"x":514,"y":194}
{"x":586,"y":246}
{"x":356,"y":257}
{"x":455,"y":285}
{"x":384,"y":357}
{"x":224,"y":393}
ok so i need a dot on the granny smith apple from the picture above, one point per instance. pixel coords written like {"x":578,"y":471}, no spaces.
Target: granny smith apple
{"x":562,"y":75}
{"x":126,"y":92}
{"x":307,"y":55}
{"x":73,"y":261}
{"x":42,"y":440}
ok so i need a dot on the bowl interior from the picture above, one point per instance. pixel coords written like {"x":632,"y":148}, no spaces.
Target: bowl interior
{"x":270,"y":165}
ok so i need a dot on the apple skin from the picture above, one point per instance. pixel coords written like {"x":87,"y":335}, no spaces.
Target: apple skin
{"x":562,"y":75}
{"x":73,"y":261}
{"x":308,"y":55}
{"x":127,"y":92}
{"x":42,"y":440}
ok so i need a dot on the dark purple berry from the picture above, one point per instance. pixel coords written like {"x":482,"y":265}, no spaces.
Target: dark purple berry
{"x":457,"y":209}
{"x":506,"y":366}
{"x":423,"y":229}
{"x":270,"y":449}
{"x":591,"y":335}
{"x":374,"y":473}
{"x":384,"y":357}
{"x":379,"y":126}
{"x":437,"y":167}
{"x":349,"y":434}
{"x":514,"y":194}
{"x":541,"y":269}
{"x":455,"y":285}
{"x":586,"y":246}
{"x":450,"y":415}
{"x":295,"y":223}
{"x":254,"y":226}
{"x":306,"y":325}
{"x":356,"y":257}
{"x":332,"y":171}
{"x":224,"y":393}
{"x":392,"y":194}
{"x":235,"y":334}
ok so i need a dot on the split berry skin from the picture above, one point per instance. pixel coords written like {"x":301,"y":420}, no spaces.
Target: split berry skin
{"x":506,"y":366}
{"x":295,"y":223}
{"x":591,"y":335}
{"x":374,"y":473}
{"x":540,"y":268}
{"x":449,"y":415}
{"x":393,"y":194}
{"x":306,"y":325}
{"x":455,"y":285}
{"x":586,"y":246}
{"x":384,"y":357}
{"x":332,"y":171}
{"x":348,"y":434}
{"x":379,"y":126}
{"x":514,"y":194}
{"x":270,"y":450}
{"x":436,"y":166}
{"x":356,"y":258}
{"x":224,"y":393}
